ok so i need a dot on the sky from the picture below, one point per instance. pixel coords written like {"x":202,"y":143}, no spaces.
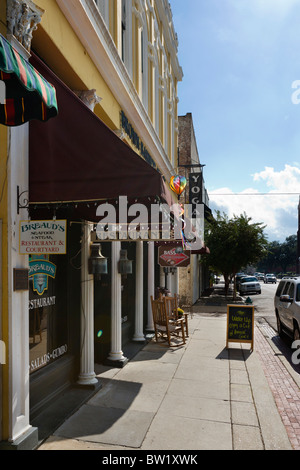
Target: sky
{"x":241,"y":66}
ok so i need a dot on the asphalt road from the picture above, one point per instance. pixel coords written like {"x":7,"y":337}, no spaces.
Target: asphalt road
{"x":264,"y":303}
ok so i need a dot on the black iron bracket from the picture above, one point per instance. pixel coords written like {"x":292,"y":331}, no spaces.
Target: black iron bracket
{"x":22,"y":200}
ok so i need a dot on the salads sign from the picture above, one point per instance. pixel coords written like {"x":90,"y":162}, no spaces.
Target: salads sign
{"x":47,"y":237}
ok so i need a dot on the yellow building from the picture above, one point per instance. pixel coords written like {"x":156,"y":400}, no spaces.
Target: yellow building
{"x":114,"y":68}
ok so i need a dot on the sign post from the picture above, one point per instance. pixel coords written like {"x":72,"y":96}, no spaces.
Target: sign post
{"x":240,"y":324}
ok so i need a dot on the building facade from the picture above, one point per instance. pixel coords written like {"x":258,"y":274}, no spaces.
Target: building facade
{"x":113,"y":131}
{"x":194,"y":279}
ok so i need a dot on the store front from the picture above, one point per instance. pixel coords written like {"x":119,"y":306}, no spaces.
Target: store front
{"x":74,"y":166}
{"x":54,"y":323}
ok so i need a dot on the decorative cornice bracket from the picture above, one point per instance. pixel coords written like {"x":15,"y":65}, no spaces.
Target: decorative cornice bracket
{"x":22,"y":17}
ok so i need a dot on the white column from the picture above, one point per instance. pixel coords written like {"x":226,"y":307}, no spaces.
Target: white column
{"x":138,"y":335}
{"x":87,"y":375}
{"x":151,"y":286}
{"x":170,"y":282}
{"x":18,"y":363}
{"x":176,"y":276}
{"x":116,"y":354}
{"x":162,"y":278}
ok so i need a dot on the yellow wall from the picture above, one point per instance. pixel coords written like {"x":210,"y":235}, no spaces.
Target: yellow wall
{"x":58,"y":45}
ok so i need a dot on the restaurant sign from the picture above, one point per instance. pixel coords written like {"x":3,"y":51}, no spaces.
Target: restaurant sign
{"x":47,"y":237}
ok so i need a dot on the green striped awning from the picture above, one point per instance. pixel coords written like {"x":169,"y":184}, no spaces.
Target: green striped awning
{"x":27,"y":94}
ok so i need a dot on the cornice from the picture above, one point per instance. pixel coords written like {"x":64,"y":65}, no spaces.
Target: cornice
{"x":86,"y":21}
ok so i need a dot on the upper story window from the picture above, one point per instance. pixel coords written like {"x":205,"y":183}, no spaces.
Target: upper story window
{"x":103,"y":7}
{"x":123,"y":29}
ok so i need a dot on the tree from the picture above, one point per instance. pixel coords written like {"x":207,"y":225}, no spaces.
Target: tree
{"x":288,"y":252}
{"x":233,"y":243}
{"x":280,"y":256}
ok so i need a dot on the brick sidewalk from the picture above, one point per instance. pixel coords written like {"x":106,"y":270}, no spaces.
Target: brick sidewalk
{"x":285,"y":390}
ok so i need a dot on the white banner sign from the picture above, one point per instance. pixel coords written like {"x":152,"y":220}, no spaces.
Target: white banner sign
{"x":47,"y":237}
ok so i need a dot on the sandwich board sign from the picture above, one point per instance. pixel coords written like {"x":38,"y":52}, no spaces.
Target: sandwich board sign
{"x":240,"y":324}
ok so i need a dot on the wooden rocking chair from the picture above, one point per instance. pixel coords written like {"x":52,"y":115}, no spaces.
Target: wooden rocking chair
{"x":172,"y":311}
{"x":166,"y":327}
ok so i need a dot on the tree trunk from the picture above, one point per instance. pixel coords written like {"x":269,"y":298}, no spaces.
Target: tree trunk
{"x":226,"y":280}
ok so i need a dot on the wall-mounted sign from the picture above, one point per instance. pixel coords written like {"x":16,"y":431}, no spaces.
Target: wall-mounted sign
{"x":136,"y":140}
{"x":47,"y":237}
{"x":40,"y":269}
{"x":21,"y":280}
{"x":170,"y":256}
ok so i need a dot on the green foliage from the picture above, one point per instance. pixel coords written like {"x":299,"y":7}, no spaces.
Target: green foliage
{"x":234,"y":243}
{"x":280,"y":256}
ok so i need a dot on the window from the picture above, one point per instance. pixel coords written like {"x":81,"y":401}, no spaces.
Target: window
{"x":123,"y":29}
{"x":279,"y":288}
{"x":286,"y":288}
{"x":48,"y":324}
{"x":103,"y":7}
{"x":298,"y":293}
{"x":292,"y":291}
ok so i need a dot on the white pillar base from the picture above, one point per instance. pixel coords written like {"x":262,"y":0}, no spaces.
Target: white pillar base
{"x":87,"y":379}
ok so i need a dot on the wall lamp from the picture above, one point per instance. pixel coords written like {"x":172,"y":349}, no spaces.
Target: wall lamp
{"x":170,"y":270}
{"x":97,"y":263}
{"x":125,"y":265}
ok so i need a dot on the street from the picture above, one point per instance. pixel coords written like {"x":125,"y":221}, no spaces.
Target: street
{"x":264,"y":303}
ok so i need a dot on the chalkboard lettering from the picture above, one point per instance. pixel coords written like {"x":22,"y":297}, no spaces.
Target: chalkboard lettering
{"x":240,"y":324}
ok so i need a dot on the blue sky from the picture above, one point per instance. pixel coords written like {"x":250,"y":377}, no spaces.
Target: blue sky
{"x":240,"y":59}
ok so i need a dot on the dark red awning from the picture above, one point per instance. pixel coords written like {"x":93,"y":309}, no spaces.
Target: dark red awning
{"x":76,"y":157}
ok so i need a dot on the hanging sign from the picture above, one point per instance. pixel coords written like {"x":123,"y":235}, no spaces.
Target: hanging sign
{"x":240,"y":324}
{"x":195,"y":191}
{"x":170,"y":256}
{"x":47,"y":237}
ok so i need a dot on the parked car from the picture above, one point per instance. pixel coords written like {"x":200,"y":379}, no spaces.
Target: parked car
{"x":238,"y":278}
{"x":270,"y":278}
{"x":287,"y":307}
{"x":249,"y":284}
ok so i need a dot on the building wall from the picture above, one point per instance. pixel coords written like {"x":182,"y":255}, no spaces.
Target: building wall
{"x":136,"y":72}
{"x":191,"y":279}
{"x":141,"y":80}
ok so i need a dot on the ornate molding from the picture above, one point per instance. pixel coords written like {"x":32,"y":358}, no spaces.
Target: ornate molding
{"x":88,"y":97}
{"x":22,"y":17}
{"x":120,"y":133}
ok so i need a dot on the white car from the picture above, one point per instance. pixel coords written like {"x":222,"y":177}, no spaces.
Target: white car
{"x":287,"y":307}
{"x":270,"y":278}
{"x":249,"y":284}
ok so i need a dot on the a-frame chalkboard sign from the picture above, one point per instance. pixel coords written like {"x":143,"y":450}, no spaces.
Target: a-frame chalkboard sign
{"x":240,"y":324}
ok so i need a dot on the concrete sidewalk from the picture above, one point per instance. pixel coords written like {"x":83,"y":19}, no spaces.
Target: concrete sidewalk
{"x":196,"y":397}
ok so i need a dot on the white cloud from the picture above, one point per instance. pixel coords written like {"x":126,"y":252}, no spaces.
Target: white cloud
{"x":275,"y":8}
{"x":278,"y":212}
